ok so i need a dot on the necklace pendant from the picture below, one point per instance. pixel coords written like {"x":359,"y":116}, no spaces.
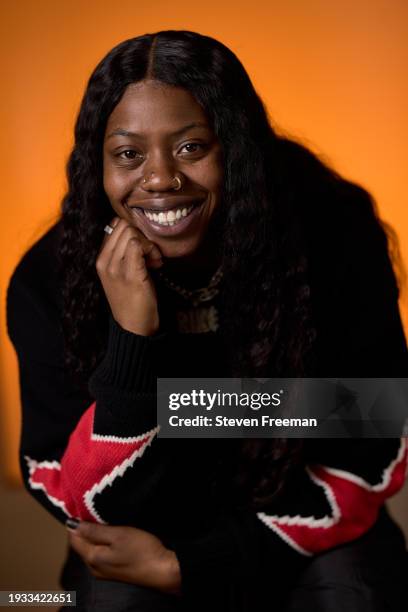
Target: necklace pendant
{"x":197,"y":320}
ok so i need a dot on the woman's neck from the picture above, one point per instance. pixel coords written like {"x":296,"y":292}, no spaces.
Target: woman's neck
{"x":195,"y":271}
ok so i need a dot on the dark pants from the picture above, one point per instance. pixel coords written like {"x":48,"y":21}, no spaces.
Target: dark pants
{"x":368,"y":575}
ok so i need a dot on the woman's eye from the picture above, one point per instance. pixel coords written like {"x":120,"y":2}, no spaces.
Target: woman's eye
{"x":192,"y":147}
{"x":130,"y":155}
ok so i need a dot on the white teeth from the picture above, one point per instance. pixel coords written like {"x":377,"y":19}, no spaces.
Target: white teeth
{"x":168,"y":218}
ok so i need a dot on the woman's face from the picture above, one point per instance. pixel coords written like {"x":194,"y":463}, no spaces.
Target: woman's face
{"x":156,"y":133}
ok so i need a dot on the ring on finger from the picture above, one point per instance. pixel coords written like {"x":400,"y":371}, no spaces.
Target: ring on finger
{"x":108,"y":229}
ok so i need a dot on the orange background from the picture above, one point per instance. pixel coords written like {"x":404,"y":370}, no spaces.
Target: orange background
{"x":332,"y":74}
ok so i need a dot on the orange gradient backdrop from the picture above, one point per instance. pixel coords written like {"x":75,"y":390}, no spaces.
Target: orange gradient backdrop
{"x":332,"y":74}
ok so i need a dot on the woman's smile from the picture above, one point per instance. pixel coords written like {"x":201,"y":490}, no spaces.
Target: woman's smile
{"x":168,"y":216}
{"x":172,"y":223}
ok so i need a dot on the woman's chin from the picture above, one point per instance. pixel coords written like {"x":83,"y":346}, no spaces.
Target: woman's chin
{"x":176,"y":253}
{"x":176,"y":248}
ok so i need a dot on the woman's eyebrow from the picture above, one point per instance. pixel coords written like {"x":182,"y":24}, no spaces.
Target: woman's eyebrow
{"x":122,"y":132}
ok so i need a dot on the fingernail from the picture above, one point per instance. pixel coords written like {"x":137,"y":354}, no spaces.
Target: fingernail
{"x":72,"y":523}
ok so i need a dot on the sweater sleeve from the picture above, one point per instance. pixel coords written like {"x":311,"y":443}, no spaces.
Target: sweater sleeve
{"x":74,"y":444}
{"x":337,"y":494}
{"x":322,"y":505}
{"x":106,"y":443}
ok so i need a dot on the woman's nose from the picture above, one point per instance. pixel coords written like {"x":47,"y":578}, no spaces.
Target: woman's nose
{"x":159,"y":177}
{"x":155,"y":181}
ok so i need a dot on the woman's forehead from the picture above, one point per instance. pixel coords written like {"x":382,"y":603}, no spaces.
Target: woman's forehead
{"x":150,"y":106}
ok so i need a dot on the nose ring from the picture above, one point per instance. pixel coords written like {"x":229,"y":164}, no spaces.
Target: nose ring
{"x":178,"y":183}
{"x":145,"y":179}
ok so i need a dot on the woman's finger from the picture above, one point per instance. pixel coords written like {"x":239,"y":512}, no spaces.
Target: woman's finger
{"x":96,"y":533}
{"x":97,"y":556}
{"x":109,"y":227}
{"x":110,"y":240}
{"x":112,"y":224}
{"x":113,"y":240}
{"x":148,"y":250}
{"x":128,"y":233}
{"x":154,"y":258}
{"x":134,"y":261}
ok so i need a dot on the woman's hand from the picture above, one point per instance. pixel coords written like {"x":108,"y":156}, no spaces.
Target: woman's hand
{"x":127,"y":554}
{"x":122,"y":267}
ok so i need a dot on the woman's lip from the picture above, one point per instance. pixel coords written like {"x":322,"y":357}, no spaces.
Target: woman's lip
{"x":164,"y":204}
{"x":167,"y":230}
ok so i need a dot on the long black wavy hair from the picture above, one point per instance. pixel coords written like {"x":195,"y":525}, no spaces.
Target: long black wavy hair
{"x":266,"y":289}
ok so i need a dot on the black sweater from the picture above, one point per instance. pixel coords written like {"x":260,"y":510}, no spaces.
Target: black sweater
{"x":96,"y":455}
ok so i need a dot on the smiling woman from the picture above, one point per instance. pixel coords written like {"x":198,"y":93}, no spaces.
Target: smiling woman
{"x":228,"y":251}
{"x":162,"y":173}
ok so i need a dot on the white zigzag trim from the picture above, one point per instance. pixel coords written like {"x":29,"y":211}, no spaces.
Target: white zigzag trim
{"x":117,"y":471}
{"x":39,"y":486}
{"x":49,"y":465}
{"x":102,"y":438}
{"x":117,"y":439}
{"x":327,"y":521}
{"x":310,"y":521}
{"x":385,"y":478}
{"x":264,"y":518}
